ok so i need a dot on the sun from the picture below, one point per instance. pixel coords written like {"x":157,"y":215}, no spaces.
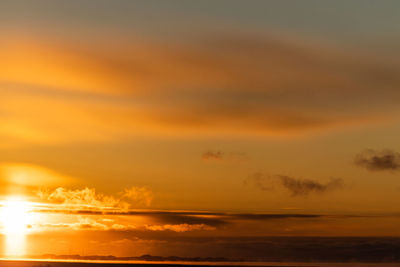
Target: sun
{"x":15,"y":216}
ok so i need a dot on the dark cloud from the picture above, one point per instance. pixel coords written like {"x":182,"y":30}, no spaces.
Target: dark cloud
{"x":296,"y":186}
{"x":374,"y":160}
{"x":212,"y":219}
{"x":303,"y":187}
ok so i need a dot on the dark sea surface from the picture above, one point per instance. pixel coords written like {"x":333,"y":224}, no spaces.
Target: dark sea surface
{"x":28,"y":263}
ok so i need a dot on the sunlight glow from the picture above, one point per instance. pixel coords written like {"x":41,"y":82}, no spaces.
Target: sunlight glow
{"x":15,"y":218}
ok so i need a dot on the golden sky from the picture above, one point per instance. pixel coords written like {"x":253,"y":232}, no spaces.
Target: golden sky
{"x":128,"y":126}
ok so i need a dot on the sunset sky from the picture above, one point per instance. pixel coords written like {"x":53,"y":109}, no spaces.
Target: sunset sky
{"x":189,"y":127}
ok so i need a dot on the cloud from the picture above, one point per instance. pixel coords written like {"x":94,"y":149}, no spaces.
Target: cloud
{"x":172,"y":218}
{"x":82,"y":197}
{"x":226,"y":85}
{"x":139,"y":195}
{"x":219,"y":155}
{"x":83,"y":223}
{"x":373,"y":160}
{"x":180,"y":227}
{"x":86,"y":223}
{"x":213,"y":155}
{"x":153,"y":220}
{"x":296,"y":186}
{"x":261,"y":217}
{"x":89,"y":199}
{"x":303,"y":187}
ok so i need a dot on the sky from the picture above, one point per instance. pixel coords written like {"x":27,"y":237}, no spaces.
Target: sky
{"x":205,"y":125}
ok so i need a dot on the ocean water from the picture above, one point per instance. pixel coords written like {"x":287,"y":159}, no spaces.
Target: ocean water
{"x":57,"y":263}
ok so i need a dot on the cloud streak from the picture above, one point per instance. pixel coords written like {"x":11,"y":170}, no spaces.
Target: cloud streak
{"x":219,"y":155}
{"x":233,"y":84}
{"x":179,"y":227}
{"x":295,"y":186}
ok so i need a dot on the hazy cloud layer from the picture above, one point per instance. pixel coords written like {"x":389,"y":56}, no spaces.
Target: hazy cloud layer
{"x":296,"y":186}
{"x":237,"y":84}
{"x":373,"y":160}
{"x":23,"y":177}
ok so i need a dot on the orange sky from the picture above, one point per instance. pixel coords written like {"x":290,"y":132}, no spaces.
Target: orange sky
{"x":117,"y":132}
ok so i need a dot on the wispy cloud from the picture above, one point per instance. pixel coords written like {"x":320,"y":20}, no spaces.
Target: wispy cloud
{"x":213,"y":155}
{"x":373,"y":160}
{"x":83,"y":223}
{"x":219,"y":85}
{"x":219,"y":155}
{"x":90,"y":224}
{"x":296,"y":186}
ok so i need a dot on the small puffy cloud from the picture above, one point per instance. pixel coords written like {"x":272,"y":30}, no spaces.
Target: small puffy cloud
{"x":373,"y":160}
{"x":140,"y":195}
{"x":296,"y":186}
